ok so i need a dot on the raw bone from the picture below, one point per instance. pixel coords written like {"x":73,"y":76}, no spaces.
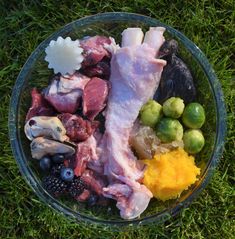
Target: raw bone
{"x":135,"y":75}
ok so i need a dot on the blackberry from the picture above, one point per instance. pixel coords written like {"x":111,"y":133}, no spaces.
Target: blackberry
{"x":55,"y":171}
{"x":54,"y":185}
{"x":76,"y":187}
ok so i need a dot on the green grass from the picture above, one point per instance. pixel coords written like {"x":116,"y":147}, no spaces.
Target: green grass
{"x":24,"y":24}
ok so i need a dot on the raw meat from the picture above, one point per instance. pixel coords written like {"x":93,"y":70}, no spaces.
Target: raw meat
{"x":101,"y":69}
{"x":86,"y":151}
{"x":176,"y":80}
{"x":135,"y":75}
{"x":94,"y":50}
{"x":94,"y":181}
{"x":77,"y":129}
{"x":94,"y":97}
{"x":39,"y":106}
{"x":65,"y":92}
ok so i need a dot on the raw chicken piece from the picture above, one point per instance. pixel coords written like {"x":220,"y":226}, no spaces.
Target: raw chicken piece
{"x":94,"y":50}
{"x":130,"y":198}
{"x":94,"y":97}
{"x":77,"y":129}
{"x":39,"y":106}
{"x":135,"y":75}
{"x":65,"y":92}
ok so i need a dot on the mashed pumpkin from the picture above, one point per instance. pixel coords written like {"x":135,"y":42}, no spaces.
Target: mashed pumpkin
{"x":169,"y":174}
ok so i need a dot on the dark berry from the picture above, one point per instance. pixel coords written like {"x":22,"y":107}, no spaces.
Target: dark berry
{"x":56,"y":169}
{"x":76,"y":187}
{"x":45,"y":163}
{"x":58,"y":158}
{"x":67,"y":174}
{"x":92,"y":200}
{"x":54,"y":185}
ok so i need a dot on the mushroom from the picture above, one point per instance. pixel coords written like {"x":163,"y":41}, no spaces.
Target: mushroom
{"x":45,"y":126}
{"x":42,"y":146}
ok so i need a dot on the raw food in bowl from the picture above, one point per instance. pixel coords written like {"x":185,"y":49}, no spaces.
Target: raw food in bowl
{"x":36,"y":74}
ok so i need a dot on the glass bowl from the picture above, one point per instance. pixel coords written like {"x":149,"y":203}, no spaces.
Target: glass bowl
{"x":35,"y":74}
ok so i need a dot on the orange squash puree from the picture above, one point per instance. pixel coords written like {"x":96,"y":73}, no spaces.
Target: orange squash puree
{"x":168,"y":175}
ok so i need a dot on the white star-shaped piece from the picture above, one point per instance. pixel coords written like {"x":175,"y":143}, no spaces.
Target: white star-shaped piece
{"x":64,"y":55}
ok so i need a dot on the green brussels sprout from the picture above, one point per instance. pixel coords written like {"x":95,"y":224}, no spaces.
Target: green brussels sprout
{"x":150,"y":113}
{"x":193,"y":141}
{"x":173,"y":107}
{"x":193,"y":116}
{"x":168,"y":130}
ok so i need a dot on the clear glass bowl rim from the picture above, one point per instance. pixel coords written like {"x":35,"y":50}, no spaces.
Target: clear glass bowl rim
{"x":220,"y":121}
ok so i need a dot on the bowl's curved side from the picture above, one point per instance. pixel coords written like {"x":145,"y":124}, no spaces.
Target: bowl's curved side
{"x":107,"y":17}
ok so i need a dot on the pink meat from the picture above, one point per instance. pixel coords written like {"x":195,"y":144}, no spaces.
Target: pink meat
{"x":39,"y":106}
{"x":94,"y":97}
{"x":94,"y":50}
{"x":83,"y":196}
{"x":77,"y":129}
{"x":65,"y":92}
{"x":86,"y":152}
{"x":94,"y":181}
{"x":135,"y":75}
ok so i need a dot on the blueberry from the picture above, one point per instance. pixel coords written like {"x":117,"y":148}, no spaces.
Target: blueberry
{"x":67,"y":174}
{"x":58,"y":158}
{"x":92,"y":200}
{"x":45,"y":163}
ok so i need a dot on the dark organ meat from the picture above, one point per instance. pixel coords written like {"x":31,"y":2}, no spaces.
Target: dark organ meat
{"x":65,"y":92}
{"x":94,"y":97}
{"x":77,"y":129}
{"x":94,"y":50}
{"x":39,"y":106}
{"x":176,"y":80}
{"x":135,"y":75}
{"x":101,"y":69}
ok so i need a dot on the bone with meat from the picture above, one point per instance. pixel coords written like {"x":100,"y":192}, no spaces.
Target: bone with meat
{"x":135,"y":75}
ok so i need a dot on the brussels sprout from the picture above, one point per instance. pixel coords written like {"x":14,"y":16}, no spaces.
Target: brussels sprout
{"x":193,"y":141}
{"x":173,"y":107}
{"x":193,"y":116}
{"x":150,"y":113}
{"x":169,"y":130}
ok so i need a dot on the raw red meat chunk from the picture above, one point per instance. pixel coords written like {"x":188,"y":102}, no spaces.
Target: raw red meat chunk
{"x":77,"y":129}
{"x":94,"y":97}
{"x":39,"y":106}
{"x":94,"y":50}
{"x":101,"y":69}
{"x":65,"y":92}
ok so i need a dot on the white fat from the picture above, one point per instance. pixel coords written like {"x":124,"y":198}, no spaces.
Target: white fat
{"x":132,"y":37}
{"x":112,"y":48}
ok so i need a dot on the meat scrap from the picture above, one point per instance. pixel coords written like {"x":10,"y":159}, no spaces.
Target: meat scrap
{"x":65,"y":92}
{"x":94,"y":97}
{"x":77,"y":129}
{"x":94,"y":181}
{"x":94,"y":50}
{"x":39,"y":106}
